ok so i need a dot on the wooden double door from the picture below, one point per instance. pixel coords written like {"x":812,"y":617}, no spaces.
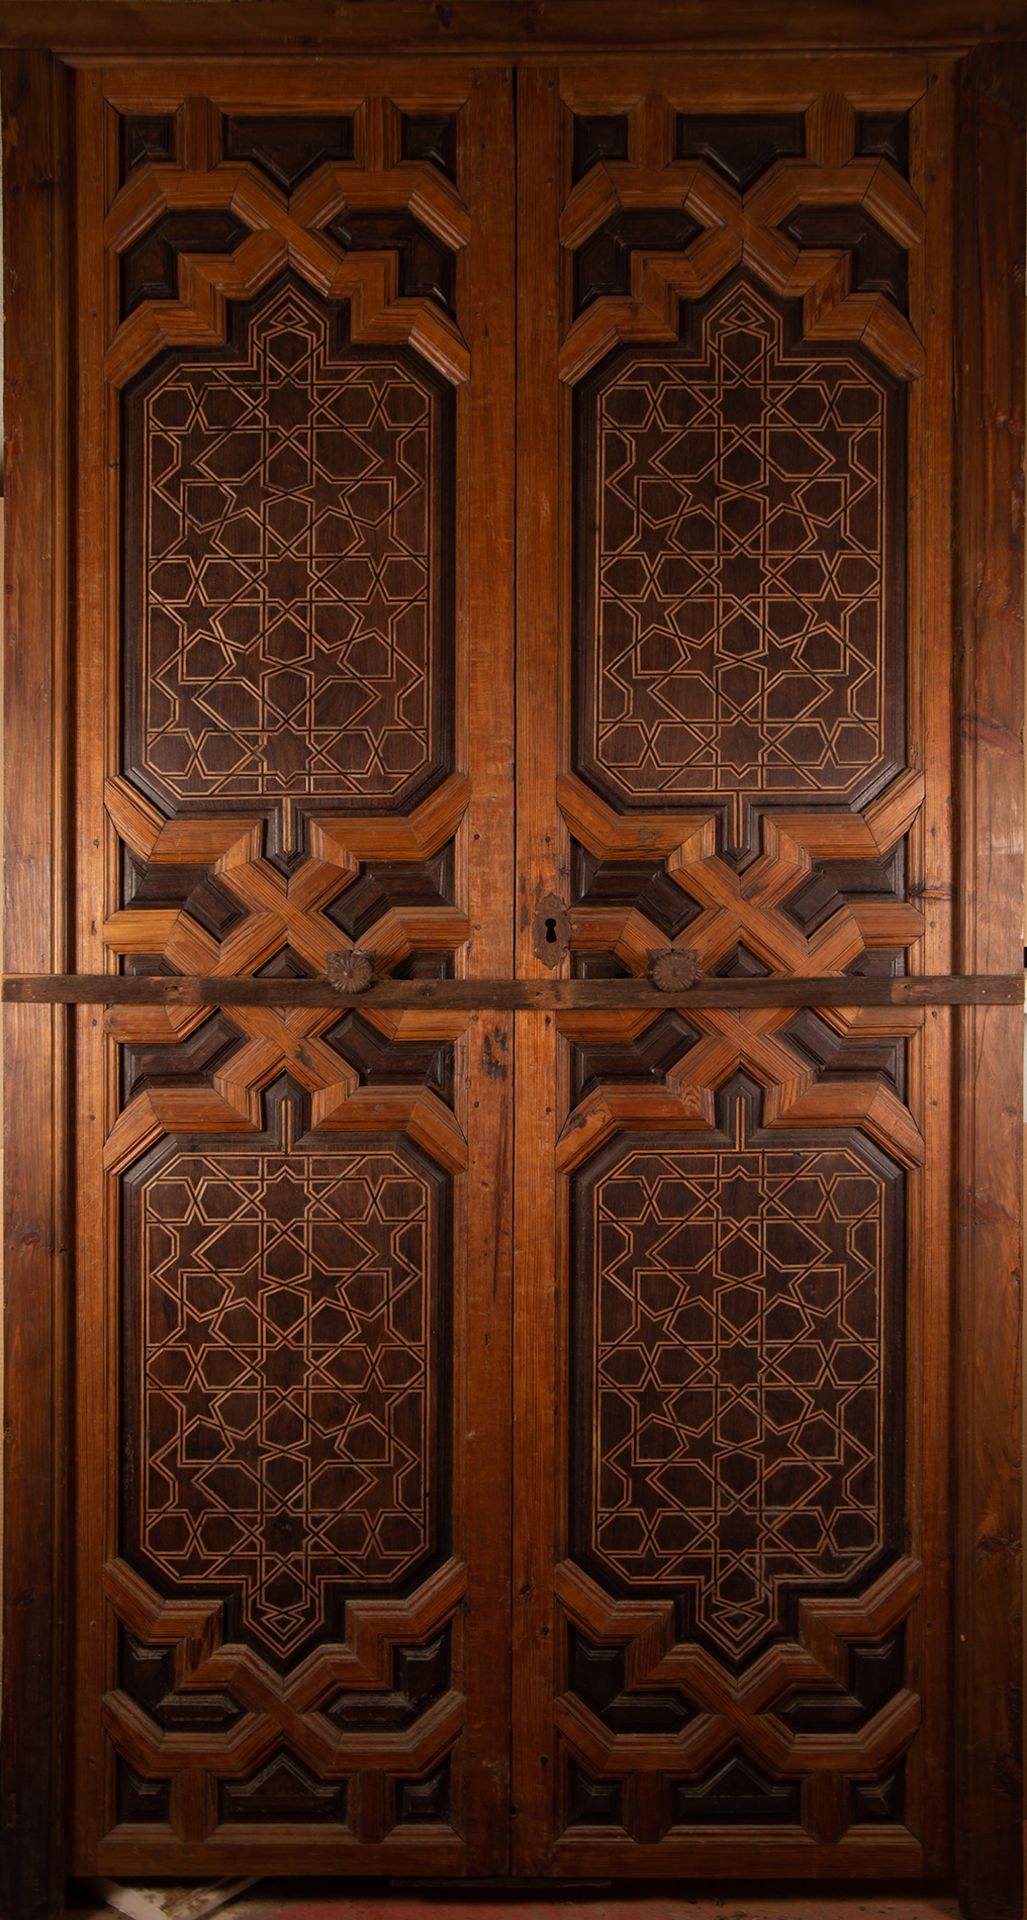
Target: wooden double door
{"x":515,"y":1314}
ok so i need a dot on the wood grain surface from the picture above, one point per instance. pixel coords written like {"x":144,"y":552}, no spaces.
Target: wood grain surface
{"x":513,"y":943}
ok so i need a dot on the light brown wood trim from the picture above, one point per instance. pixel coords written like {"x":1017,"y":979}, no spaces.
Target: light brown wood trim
{"x":35,"y":1038}
{"x":502,"y":27}
{"x":989,"y":467}
{"x":243,"y":990}
{"x":482,"y":1330}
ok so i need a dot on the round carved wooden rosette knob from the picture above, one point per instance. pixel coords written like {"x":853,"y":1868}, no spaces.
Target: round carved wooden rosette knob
{"x":673,"y":969}
{"x":350,"y":971}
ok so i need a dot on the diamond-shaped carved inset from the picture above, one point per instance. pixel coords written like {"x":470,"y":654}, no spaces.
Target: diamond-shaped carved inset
{"x":740,"y":567}
{"x":283,"y":1357}
{"x":288,"y":607}
{"x":737,"y":1327}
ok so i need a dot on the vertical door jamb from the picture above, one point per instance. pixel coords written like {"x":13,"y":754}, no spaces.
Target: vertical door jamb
{"x":34,"y":100}
{"x":990,"y":607}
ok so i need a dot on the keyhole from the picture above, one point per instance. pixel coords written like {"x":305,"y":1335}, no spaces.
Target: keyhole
{"x":549,"y":931}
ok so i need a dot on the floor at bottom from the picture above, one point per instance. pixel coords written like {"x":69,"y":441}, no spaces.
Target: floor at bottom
{"x":318,"y":1900}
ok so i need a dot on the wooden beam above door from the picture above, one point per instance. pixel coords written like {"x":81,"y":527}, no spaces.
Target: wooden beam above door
{"x":502,"y":27}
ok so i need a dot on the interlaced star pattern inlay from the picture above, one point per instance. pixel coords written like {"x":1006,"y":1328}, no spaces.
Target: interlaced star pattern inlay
{"x":738,"y":1302}
{"x":290,"y":582}
{"x":736,"y":566}
{"x":287,"y":1356}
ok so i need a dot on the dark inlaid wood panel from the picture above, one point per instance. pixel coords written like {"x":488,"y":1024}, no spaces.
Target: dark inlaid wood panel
{"x":287,"y":1353}
{"x":736,"y":1340}
{"x":287,"y":147}
{"x":288,"y":612}
{"x":741,"y":590}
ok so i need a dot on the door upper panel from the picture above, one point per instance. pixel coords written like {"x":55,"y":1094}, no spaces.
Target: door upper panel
{"x":735,"y":763}
{"x":294,"y":377}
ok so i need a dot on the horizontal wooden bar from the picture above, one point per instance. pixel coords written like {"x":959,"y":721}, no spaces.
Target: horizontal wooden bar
{"x":502,"y":27}
{"x":847,"y":990}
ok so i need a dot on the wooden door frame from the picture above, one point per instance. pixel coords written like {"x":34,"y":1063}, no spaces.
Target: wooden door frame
{"x":42,"y":39}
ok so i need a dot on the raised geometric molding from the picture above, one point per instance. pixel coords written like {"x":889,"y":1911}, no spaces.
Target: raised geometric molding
{"x":737,"y":1711}
{"x":380,"y":885}
{"x":645,"y":1059}
{"x":599,"y":966}
{"x":880,"y":264}
{"x":427,"y":268}
{"x":424,"y":966}
{"x":886,"y":134}
{"x":736,"y":1337}
{"x":288,"y":591}
{"x":286,"y":1351}
{"x":736,"y":1794}
{"x":421,"y":1675}
{"x":739,"y":625}
{"x":644,"y":884}
{"x":880,"y":1803}
{"x":598,"y":136}
{"x":142,"y":1802}
{"x":886,"y":964}
{"x":282,"y":1709}
{"x":740,"y":964}
{"x":147,"y":1675}
{"x":602,"y":266}
{"x":277,"y":917}
{"x":876,"y":1673}
{"x":197,"y":890}
{"x":861,"y":1053}
{"x":829,"y":883}
{"x":144,"y":136}
{"x":149,"y":267}
{"x":635,"y":900}
{"x":287,"y":147}
{"x":381,"y":1062}
{"x":424,"y":1802}
{"x":741,"y":146}
{"x":593,"y":1803}
{"x":431,"y":137}
{"x":191,"y":1062}
{"x":284,"y":1790}
{"x":597,"y":1676}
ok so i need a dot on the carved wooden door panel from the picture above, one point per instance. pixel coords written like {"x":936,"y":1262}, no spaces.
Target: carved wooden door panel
{"x":733,"y":1262}
{"x":294,"y":376}
{"x":512,"y":1237}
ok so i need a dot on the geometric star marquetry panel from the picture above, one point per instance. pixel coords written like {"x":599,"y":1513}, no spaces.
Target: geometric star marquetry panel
{"x":739,"y":632}
{"x":288,"y":580}
{"x":738,"y":1302}
{"x":285,"y":1359}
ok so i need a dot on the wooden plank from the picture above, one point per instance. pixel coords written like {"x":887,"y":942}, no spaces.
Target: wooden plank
{"x":483,"y":1451}
{"x":543,"y":657}
{"x":35,"y":1198}
{"x":932,"y":1093}
{"x":988,"y":1330}
{"x":96,"y":858}
{"x":540,"y":1427}
{"x":543,"y":661}
{"x":501,"y":27}
{"x":242,"y":990}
